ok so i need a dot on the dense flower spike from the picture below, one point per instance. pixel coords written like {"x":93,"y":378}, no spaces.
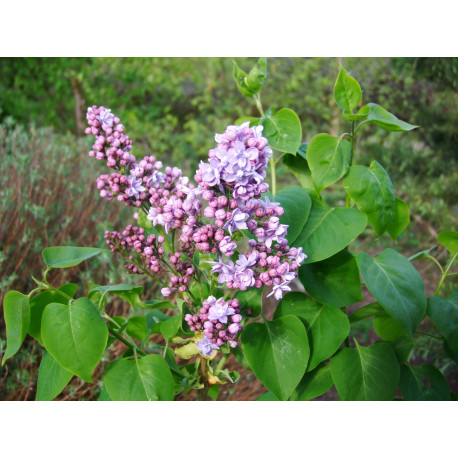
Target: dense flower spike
{"x":208,"y":218}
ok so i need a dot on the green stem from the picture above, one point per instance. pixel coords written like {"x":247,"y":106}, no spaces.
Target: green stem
{"x":436,"y":261}
{"x":221,"y":364}
{"x":202,"y":393}
{"x":352,"y":141}
{"x":444,"y":274}
{"x":126,"y":342}
{"x":273,"y":175}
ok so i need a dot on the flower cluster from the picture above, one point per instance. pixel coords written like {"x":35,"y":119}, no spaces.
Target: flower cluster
{"x":219,"y":321}
{"x":210,"y":217}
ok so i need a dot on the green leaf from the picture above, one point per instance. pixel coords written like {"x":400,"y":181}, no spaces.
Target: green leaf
{"x":403,"y":346}
{"x":143,"y":379}
{"x":187,"y":351}
{"x":267,"y":397}
{"x":104,"y":396}
{"x":449,"y":239}
{"x":362,"y":114}
{"x":283,"y":130}
{"x":257,"y":75}
{"x":347,"y":91}
{"x":277,"y":352}
{"x":366,"y":373}
{"x":328,"y":158}
{"x":250,"y":301}
{"x":396,"y":285}
{"x":52,"y":378}
{"x":75,"y":335}
{"x":240,"y":78}
{"x":143,"y":221}
{"x":60,"y":257}
{"x":40,"y":301}
{"x":157,"y":304}
{"x":313,"y":384}
{"x":400,"y":221}
{"x":413,"y":386}
{"x":421,"y":254}
{"x":388,"y":328}
{"x":169,"y":328}
{"x":252,"y":120}
{"x":372,"y":191}
{"x":16,"y":310}
{"x":368,"y":311}
{"x":327,"y":327}
{"x":299,"y":167}
{"x":329,"y":230}
{"x":297,"y":203}
{"x":334,"y":281}
{"x":444,"y":315}
{"x":386,"y":120}
{"x":137,"y":327}
{"x":213,"y":392}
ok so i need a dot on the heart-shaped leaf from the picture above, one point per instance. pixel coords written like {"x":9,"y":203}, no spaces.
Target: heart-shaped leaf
{"x":396,"y":285}
{"x":75,"y":335}
{"x":277,"y":352}
{"x":142,"y":379}
{"x":283,"y":130}
{"x":334,"y":281}
{"x":329,"y":230}
{"x":366,"y":373}
{"x":328,"y":158}
{"x":327,"y":327}
{"x":372,"y":191}
{"x":52,"y":378}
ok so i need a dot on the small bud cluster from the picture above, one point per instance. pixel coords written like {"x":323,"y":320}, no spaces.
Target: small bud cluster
{"x":220,"y":322}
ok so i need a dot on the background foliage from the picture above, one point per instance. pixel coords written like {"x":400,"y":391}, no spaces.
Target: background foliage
{"x":172,"y":107}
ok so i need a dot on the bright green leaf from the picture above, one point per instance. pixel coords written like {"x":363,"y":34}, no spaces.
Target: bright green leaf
{"x":240,"y":78}
{"x":372,"y":191}
{"x":59,"y":257}
{"x":75,"y":335}
{"x":169,"y":328}
{"x":283,"y":130}
{"x":52,"y":378}
{"x":16,"y":310}
{"x":257,"y":75}
{"x":386,"y":120}
{"x":449,"y":239}
{"x":347,"y":91}
{"x":396,"y":285}
{"x":277,"y":352}
{"x":328,"y":158}
{"x":366,"y":373}
{"x":327,"y":327}
{"x":388,"y":328}
{"x":362,"y":114}
{"x":143,"y":379}
{"x":137,"y":328}
{"x":250,"y":301}
{"x":329,"y":230}
{"x":313,"y":384}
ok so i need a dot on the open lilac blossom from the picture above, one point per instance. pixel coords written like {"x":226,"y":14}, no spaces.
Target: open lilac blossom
{"x":135,"y":186}
{"x":278,"y":290}
{"x":206,"y":347}
{"x":220,"y":311}
{"x":237,"y":222}
{"x":225,"y":269}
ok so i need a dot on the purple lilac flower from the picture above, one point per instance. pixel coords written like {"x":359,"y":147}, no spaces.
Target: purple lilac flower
{"x":206,"y":347}
{"x":220,"y":311}
{"x":245,"y":278}
{"x":238,"y":221}
{"x":135,"y":187}
{"x":226,"y":270}
{"x":244,"y":262}
{"x":278,"y":290}
{"x":106,"y":118}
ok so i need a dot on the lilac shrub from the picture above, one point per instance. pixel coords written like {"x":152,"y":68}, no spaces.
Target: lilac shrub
{"x":219,"y":215}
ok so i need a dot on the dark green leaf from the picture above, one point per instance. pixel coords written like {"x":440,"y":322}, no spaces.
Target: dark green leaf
{"x":366,"y":373}
{"x":328,"y":158}
{"x":368,"y":311}
{"x":143,"y":379}
{"x":277,"y":352}
{"x":16,"y":310}
{"x":347,"y":91}
{"x":52,"y":378}
{"x":250,"y":301}
{"x":334,"y":281}
{"x":444,"y":315}
{"x":296,"y":202}
{"x":299,"y":167}
{"x":400,"y":221}
{"x":414,"y":388}
{"x":327,"y":327}
{"x":283,"y":130}
{"x":59,"y":257}
{"x":396,"y":285}
{"x":329,"y":230}
{"x":386,"y":120}
{"x":403,"y":346}
{"x":372,"y":191}
{"x":313,"y":384}
{"x":75,"y":336}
